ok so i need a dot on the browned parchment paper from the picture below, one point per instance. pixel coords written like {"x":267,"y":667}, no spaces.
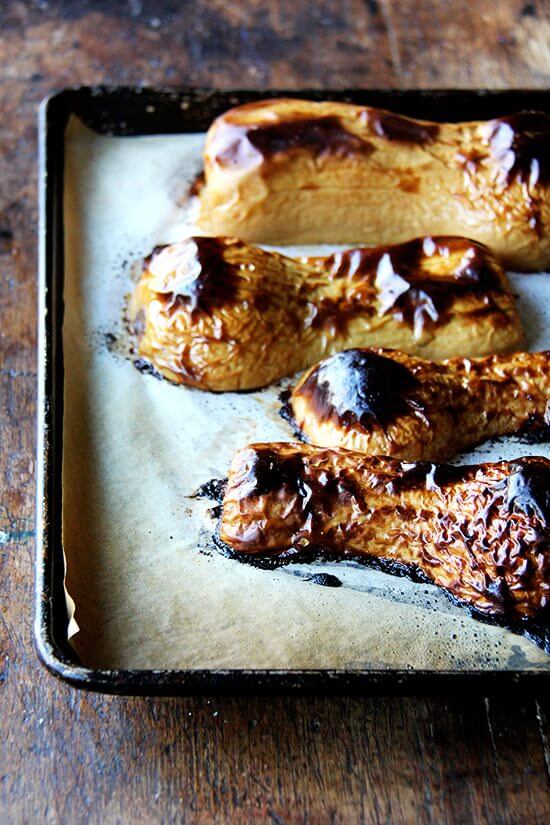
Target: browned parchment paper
{"x":148,"y":591}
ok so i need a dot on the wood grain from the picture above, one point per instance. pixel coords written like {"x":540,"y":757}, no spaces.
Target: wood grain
{"x":70,"y":757}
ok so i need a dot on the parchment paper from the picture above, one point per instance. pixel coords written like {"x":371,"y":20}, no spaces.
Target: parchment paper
{"x":149,"y":589}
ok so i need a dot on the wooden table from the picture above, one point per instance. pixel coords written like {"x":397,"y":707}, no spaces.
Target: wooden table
{"x":66,"y":756}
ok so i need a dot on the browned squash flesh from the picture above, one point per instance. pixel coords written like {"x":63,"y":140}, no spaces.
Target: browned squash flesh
{"x":481,"y":532}
{"x":297,"y":172}
{"x":383,"y":402}
{"x":219,"y":314}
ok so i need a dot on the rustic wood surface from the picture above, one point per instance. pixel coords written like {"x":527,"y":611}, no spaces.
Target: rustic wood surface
{"x":66,"y":756}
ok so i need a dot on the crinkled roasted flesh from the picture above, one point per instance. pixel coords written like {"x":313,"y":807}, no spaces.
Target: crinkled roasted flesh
{"x":219,"y":314}
{"x":299,"y":172}
{"x":383,"y":402}
{"x":481,"y":532}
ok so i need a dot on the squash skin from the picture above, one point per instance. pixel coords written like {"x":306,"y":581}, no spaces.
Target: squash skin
{"x":481,"y":532}
{"x":383,"y":402}
{"x":219,"y":314}
{"x":288,"y":171}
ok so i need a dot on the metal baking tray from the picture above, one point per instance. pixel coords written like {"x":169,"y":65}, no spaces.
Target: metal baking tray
{"x":142,"y":111}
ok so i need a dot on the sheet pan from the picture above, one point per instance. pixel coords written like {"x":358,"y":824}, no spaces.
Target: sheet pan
{"x":156,"y":608}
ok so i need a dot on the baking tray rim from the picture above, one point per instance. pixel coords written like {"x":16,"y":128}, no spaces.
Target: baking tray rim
{"x":49,"y":601}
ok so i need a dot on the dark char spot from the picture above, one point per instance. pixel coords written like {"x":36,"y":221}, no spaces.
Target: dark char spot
{"x":535,"y":431}
{"x":243,"y":145}
{"x":528,"y":10}
{"x":403,"y":286}
{"x":203,"y":279}
{"x":421,"y":300}
{"x":395,"y":127}
{"x":528,"y":489}
{"x":269,"y":471}
{"x":520,"y":145}
{"x":358,"y":386}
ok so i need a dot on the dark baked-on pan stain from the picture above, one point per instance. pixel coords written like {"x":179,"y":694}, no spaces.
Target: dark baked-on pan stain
{"x":213,"y":489}
{"x":325,"y":580}
{"x":536,"y":630}
{"x":145,"y":367}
